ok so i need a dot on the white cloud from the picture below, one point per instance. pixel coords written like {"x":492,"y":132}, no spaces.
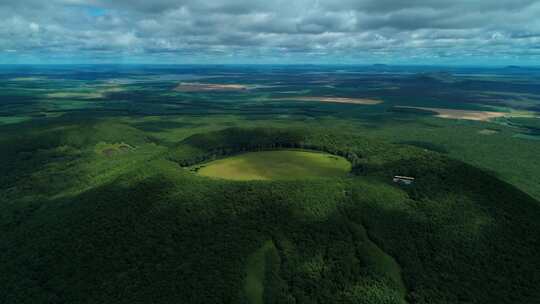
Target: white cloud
{"x":34,"y":27}
{"x":264,"y":28}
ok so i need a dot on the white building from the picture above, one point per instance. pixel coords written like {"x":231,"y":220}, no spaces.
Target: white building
{"x":403,"y":180}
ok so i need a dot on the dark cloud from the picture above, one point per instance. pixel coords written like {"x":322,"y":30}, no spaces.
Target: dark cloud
{"x":369,"y":30}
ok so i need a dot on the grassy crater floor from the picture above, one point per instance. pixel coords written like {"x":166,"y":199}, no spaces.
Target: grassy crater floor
{"x":270,"y":165}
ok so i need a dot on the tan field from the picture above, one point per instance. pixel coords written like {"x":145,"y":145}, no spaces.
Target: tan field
{"x":461,"y":114}
{"x":97,"y":94}
{"x":362,"y":101}
{"x":203,"y":87}
{"x":76,"y":95}
{"x":26,"y":79}
{"x":488,"y":132}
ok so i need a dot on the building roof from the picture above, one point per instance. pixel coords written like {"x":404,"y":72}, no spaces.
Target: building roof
{"x":404,"y":177}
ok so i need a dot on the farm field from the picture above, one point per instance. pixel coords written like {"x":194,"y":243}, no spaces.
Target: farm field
{"x":461,"y":114}
{"x":202,"y":87}
{"x":276,"y":165}
{"x":361,"y":101}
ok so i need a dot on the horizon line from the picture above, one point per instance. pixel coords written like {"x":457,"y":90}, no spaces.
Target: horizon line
{"x":279,"y":64}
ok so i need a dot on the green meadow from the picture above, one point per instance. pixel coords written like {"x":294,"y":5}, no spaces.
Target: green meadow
{"x":276,"y":165}
{"x":256,"y":269}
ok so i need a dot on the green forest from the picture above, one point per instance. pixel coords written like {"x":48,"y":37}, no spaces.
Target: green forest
{"x":137,"y":226}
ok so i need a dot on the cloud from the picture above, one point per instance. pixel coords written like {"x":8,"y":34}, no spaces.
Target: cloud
{"x":248,"y":30}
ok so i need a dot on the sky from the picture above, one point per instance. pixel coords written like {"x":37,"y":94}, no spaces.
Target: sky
{"x":446,"y":32}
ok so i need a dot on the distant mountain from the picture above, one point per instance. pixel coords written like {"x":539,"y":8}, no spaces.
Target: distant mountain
{"x":439,"y":76}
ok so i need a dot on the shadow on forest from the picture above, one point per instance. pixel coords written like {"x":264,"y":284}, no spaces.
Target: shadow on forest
{"x":159,"y":126}
{"x":461,"y":225}
{"x":122,"y":242}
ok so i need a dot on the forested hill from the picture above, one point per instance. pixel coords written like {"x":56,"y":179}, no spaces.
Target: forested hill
{"x":153,"y":231}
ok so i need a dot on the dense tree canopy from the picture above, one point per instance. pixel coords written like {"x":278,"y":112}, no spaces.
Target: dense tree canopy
{"x":158,"y":233}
